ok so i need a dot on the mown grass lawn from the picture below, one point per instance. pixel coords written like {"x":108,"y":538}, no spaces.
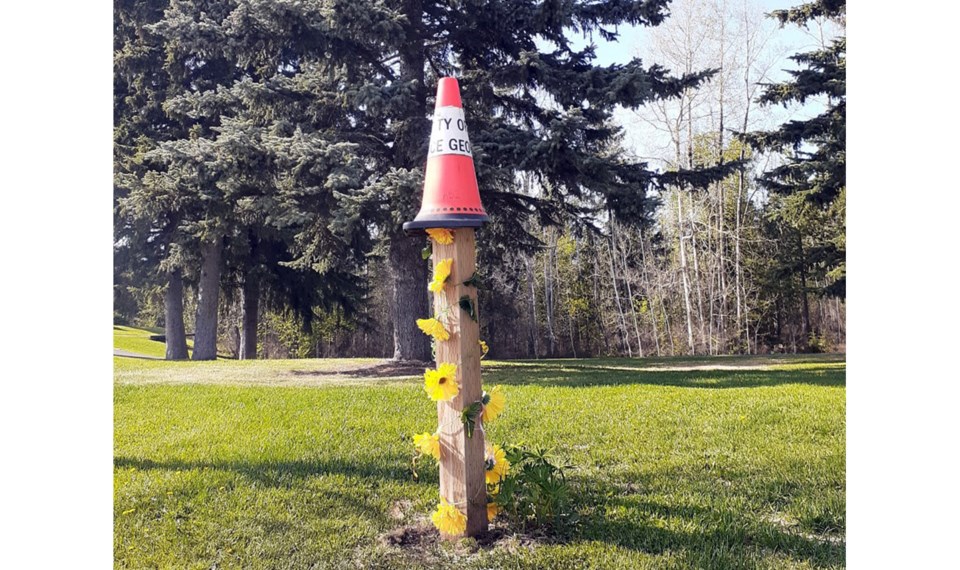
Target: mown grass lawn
{"x":138,"y":341}
{"x":288,"y":464}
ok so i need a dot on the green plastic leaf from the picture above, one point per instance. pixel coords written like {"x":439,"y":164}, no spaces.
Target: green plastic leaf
{"x":426,"y":252}
{"x":474,"y":281}
{"x":469,"y":417}
{"x":466,"y":303}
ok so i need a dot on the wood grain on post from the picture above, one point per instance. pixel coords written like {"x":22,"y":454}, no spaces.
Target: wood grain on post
{"x":462,"y":475}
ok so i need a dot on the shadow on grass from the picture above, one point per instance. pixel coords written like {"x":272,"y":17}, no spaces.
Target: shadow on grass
{"x":729,"y":548}
{"x":282,"y":489}
{"x":666,"y":362}
{"x":704,"y":537}
{"x":383,"y":370}
{"x":582,"y":375}
{"x":281,"y":473}
{"x":126,"y":354}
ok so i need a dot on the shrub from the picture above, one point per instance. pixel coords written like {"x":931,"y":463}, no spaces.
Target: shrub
{"x":534,"y":495}
{"x":817,"y":343}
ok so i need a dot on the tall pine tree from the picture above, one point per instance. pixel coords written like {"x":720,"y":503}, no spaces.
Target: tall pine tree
{"x":147,"y":240}
{"x":352,"y":82}
{"x":239,"y":178}
{"x":809,"y":188}
{"x":535,"y":104}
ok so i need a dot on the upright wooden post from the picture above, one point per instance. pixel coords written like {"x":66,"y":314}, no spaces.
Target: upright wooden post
{"x":451,"y":201}
{"x":462,"y":473}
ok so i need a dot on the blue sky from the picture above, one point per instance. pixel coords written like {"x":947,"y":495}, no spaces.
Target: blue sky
{"x":632,"y":37}
{"x":787,"y":40}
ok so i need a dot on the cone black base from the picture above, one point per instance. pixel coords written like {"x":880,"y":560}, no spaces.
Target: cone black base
{"x":423,"y":223}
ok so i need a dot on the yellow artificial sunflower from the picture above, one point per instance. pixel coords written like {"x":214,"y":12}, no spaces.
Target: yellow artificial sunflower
{"x":448,"y":519}
{"x":496,"y":465}
{"x":492,"y":510}
{"x":484,"y":349}
{"x":493,"y":404}
{"x":441,"y":384}
{"x":441,"y":271}
{"x":428,"y":444}
{"x":442,"y":236}
{"x":434,"y":328}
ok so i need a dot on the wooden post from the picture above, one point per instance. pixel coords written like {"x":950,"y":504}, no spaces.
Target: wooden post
{"x":462,"y":473}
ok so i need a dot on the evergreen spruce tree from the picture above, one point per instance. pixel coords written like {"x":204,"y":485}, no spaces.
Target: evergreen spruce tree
{"x":535,"y":104}
{"x":809,"y":187}
{"x":146,"y":251}
{"x":308,"y":123}
{"x":243,"y":180}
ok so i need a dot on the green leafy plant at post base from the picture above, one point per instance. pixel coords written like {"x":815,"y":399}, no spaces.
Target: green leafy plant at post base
{"x":535,"y":494}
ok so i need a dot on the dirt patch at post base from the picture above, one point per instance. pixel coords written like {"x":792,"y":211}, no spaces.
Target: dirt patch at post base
{"x":422,"y":542}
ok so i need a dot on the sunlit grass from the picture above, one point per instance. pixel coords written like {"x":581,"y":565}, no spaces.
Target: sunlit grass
{"x":137,"y":341}
{"x":218,"y":463}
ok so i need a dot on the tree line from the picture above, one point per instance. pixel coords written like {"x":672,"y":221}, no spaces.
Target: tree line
{"x":266,"y":155}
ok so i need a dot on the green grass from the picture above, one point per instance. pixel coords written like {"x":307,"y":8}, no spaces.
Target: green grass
{"x":138,"y":341}
{"x":287,"y":464}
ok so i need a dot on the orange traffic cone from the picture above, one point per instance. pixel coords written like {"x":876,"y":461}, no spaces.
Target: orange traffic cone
{"x":451,"y":198}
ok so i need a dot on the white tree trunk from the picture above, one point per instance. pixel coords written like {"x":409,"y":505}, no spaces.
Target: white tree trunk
{"x":624,"y":335}
{"x":647,"y":288}
{"x":535,"y":332}
{"x":683,"y":273}
{"x":548,"y":292}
